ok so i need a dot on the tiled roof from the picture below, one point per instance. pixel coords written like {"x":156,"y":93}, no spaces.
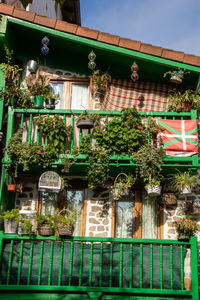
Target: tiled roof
{"x":99,"y":36}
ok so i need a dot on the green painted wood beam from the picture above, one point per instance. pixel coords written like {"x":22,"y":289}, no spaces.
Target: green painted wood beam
{"x":104,"y":46}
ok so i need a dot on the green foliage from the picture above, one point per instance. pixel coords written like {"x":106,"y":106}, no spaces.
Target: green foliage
{"x":125,"y":134}
{"x":38,"y":85}
{"x":179,"y":72}
{"x":85,"y":116}
{"x":22,"y":153}
{"x":179,"y":100}
{"x":17,"y":150}
{"x":54,"y":129}
{"x":182,"y":180}
{"x":68,"y":219}
{"x":20,"y":95}
{"x":40,"y":155}
{"x":149,"y":160}
{"x":98,"y":159}
{"x":122,"y":184}
{"x":45,"y":220}
{"x":187,"y":225}
{"x":11,"y":214}
{"x":100,"y":79}
{"x":27,"y":226}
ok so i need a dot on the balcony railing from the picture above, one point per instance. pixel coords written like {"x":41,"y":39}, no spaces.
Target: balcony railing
{"x":104,"y":265}
{"x":23,"y":118}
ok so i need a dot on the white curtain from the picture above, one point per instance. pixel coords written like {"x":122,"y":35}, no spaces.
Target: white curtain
{"x":49,"y":201}
{"x":124,"y":218}
{"x":74,"y":201}
{"x":149,"y":217}
{"x":79,"y":96}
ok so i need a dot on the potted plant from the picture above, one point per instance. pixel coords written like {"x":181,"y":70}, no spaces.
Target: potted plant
{"x":38,"y":87}
{"x":176,"y":76}
{"x":45,"y":224}
{"x":99,"y":83}
{"x":25,"y":227}
{"x":183,"y":100}
{"x":149,"y":160}
{"x":154,"y":187}
{"x":183,"y":182}
{"x":11,"y":220}
{"x":186,"y":227}
{"x":86,"y":120}
{"x":11,"y":187}
{"x":65,"y":223}
{"x":122,"y":185}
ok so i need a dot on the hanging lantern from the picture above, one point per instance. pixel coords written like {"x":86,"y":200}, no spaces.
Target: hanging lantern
{"x":134,"y":67}
{"x":91,"y":65}
{"x":92,"y":57}
{"x":45,"y":48}
{"x":134,"y":76}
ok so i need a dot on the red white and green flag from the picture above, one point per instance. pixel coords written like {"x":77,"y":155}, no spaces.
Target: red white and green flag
{"x":179,"y":137}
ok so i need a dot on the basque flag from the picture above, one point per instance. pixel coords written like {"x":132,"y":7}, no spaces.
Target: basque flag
{"x":179,"y":137}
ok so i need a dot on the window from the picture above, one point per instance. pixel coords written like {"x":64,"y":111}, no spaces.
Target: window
{"x":124,"y":217}
{"x":74,"y":94}
{"x":69,"y":199}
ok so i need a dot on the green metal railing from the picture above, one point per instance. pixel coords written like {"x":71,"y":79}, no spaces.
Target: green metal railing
{"x":18,"y":117}
{"x":108,"y":265}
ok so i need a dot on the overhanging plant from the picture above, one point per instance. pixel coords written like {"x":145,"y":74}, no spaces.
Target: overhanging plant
{"x":183,"y":100}
{"x":149,"y":161}
{"x":98,"y":159}
{"x":124,"y":134}
{"x":55,"y":130}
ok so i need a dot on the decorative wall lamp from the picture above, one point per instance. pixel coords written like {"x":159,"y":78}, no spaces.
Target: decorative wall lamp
{"x":134,"y":69}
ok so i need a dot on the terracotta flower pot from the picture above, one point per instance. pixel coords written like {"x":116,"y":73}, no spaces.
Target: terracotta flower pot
{"x":11,"y":187}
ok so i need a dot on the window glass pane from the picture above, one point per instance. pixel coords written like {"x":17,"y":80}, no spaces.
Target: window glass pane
{"x":79,"y":96}
{"x":124,"y":218}
{"x":149,"y":212}
{"x":48,"y":201}
{"x":57,"y":88}
{"x":73,"y":201}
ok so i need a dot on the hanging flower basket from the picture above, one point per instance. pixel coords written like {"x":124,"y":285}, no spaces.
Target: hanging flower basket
{"x":175,"y":78}
{"x":122,"y":185}
{"x":154,"y":191}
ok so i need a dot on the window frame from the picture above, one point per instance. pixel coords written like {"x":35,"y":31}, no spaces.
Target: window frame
{"x":67,"y":86}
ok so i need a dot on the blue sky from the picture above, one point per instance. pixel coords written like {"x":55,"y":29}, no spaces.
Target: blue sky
{"x":173,"y":24}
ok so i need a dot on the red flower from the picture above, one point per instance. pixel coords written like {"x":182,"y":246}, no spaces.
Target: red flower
{"x":134,"y":105}
{"x":105,"y":122}
{"x":98,"y":126}
{"x":101,"y":130}
{"x":140,"y":127}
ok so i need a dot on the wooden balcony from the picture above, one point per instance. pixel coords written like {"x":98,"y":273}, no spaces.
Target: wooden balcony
{"x":24,"y":118}
{"x":98,"y":267}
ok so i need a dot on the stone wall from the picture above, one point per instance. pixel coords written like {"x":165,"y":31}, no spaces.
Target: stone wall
{"x":99,"y":213}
